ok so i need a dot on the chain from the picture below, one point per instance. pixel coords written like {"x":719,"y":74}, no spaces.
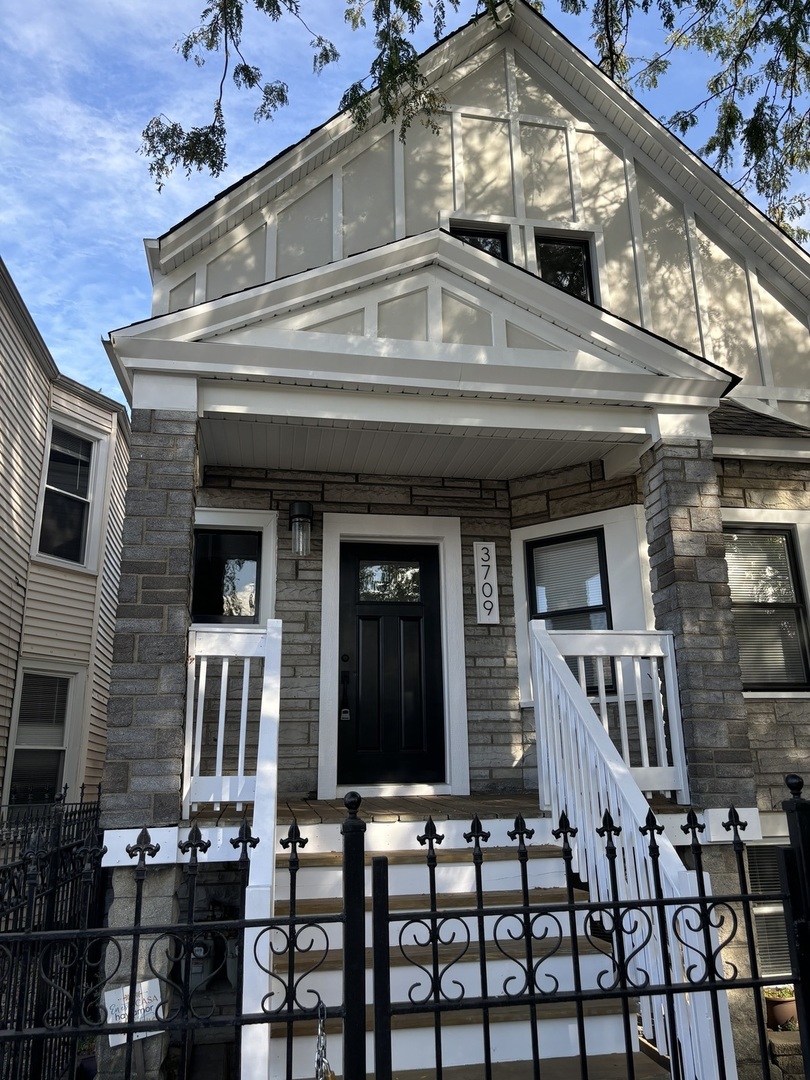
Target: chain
{"x":323,"y":1070}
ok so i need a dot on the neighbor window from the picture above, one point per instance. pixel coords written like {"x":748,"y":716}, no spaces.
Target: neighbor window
{"x":66,"y":500}
{"x":769,"y":917}
{"x":39,"y":749}
{"x":226,"y":576}
{"x":770,"y":618}
{"x":493,"y":243}
{"x":566,"y":264}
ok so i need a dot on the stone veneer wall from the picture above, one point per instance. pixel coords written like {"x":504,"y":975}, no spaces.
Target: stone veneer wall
{"x":567,"y":493}
{"x":691,"y":597}
{"x":145,"y":743}
{"x":501,"y":742}
{"x":779,"y":728}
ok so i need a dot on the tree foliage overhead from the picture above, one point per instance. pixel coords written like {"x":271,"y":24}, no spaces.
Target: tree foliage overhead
{"x":757,"y":97}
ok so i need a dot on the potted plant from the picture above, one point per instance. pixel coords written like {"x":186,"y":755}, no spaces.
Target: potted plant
{"x":780,"y":1007}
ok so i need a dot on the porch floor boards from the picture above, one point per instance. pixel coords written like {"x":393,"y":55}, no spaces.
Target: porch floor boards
{"x":410,"y":808}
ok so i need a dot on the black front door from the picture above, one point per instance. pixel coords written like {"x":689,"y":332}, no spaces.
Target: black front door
{"x":391,"y":709}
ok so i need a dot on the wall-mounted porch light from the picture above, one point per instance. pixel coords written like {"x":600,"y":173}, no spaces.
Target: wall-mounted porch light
{"x":300,"y":527}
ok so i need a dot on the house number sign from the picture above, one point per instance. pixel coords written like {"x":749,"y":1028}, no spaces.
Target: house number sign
{"x":486,"y":583}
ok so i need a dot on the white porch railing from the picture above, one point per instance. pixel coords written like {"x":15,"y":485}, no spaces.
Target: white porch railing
{"x":581,"y":773}
{"x":232,"y":718}
{"x":631,"y":680}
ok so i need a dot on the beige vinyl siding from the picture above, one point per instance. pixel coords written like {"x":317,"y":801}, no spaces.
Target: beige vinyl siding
{"x":80,"y":409}
{"x":106,"y":605}
{"x":23,"y":393}
{"x":59,"y":613}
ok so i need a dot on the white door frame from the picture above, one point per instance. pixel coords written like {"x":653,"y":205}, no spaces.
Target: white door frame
{"x":445,"y":532}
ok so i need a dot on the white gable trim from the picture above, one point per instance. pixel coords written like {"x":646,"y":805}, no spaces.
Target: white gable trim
{"x":446,"y":533}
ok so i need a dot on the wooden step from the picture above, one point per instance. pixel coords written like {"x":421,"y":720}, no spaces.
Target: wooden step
{"x":416,"y":856}
{"x":493,"y":952}
{"x":600,"y":1067}
{"x":420,"y":902}
{"x":517,"y":1013}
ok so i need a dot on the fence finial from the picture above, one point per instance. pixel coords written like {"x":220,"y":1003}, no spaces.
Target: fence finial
{"x":794,"y":784}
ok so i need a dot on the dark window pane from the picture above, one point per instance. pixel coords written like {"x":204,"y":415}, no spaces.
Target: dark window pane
{"x":493,"y":243}
{"x":64,"y":526}
{"x":566,"y":265}
{"x":389,"y":581}
{"x":69,"y":463}
{"x":36,"y":775}
{"x":226,"y":576}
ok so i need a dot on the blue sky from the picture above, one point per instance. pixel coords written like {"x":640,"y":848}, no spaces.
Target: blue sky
{"x":79,"y":83}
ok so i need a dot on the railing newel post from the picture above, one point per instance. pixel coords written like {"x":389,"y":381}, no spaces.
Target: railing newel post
{"x":354,"y":941}
{"x":794,"y":872}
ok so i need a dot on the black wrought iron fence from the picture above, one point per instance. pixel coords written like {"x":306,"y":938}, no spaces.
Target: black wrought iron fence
{"x":66,"y":990}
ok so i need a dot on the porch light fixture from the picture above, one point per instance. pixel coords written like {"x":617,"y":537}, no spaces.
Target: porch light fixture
{"x":300,"y":527}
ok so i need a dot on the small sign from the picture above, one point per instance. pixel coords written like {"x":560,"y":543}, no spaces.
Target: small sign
{"x":147,"y":999}
{"x":486,"y":583}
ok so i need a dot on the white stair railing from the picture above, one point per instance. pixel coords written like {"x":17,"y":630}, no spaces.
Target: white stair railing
{"x":581,"y":773}
{"x":631,"y":680}
{"x":232,"y":718}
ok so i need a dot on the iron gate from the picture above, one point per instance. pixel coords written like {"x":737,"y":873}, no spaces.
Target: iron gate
{"x":53,"y":982}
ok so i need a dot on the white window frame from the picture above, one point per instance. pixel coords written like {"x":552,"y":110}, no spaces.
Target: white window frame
{"x":798,"y":523}
{"x":445,"y":532}
{"x":74,"y":745}
{"x":96,"y":493}
{"x":628,"y":573}
{"x":264,"y":522}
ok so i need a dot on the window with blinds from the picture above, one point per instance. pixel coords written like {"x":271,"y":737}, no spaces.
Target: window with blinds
{"x":769,"y":919}
{"x":39,"y":748}
{"x":66,"y":502}
{"x":568,"y":582}
{"x":769,"y":611}
{"x":568,"y":587}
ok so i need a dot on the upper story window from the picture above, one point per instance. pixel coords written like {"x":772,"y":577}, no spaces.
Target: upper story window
{"x":66,"y":501}
{"x":566,"y":264}
{"x":770,"y":615}
{"x":492,"y":242}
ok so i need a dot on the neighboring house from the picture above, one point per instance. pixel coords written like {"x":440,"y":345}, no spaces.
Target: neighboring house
{"x":64,"y":452}
{"x":545,"y":364}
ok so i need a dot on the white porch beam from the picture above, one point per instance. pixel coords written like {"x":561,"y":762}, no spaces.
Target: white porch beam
{"x":232,"y":400}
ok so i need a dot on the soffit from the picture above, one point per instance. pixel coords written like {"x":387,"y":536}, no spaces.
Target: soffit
{"x":341,"y":446}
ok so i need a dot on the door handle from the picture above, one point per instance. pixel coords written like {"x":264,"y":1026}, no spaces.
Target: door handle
{"x":345,"y":714}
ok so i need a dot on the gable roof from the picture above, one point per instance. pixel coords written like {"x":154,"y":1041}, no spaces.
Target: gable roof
{"x":698,"y":184}
{"x":534,"y":342}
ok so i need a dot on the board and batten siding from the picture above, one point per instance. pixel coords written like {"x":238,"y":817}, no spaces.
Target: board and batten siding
{"x":519,"y":150}
{"x":23,"y":393}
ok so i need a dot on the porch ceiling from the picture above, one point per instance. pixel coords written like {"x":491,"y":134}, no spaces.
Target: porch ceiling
{"x":334,"y":445}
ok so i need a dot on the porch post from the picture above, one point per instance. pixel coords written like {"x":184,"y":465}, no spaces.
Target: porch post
{"x":144,"y":764}
{"x":691,"y":597}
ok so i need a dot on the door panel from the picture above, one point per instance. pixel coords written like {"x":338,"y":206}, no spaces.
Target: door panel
{"x":391,"y":720}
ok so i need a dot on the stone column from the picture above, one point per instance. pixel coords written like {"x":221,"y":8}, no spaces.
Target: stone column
{"x":691,"y":597}
{"x":146,"y":714}
{"x":145,"y":726}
